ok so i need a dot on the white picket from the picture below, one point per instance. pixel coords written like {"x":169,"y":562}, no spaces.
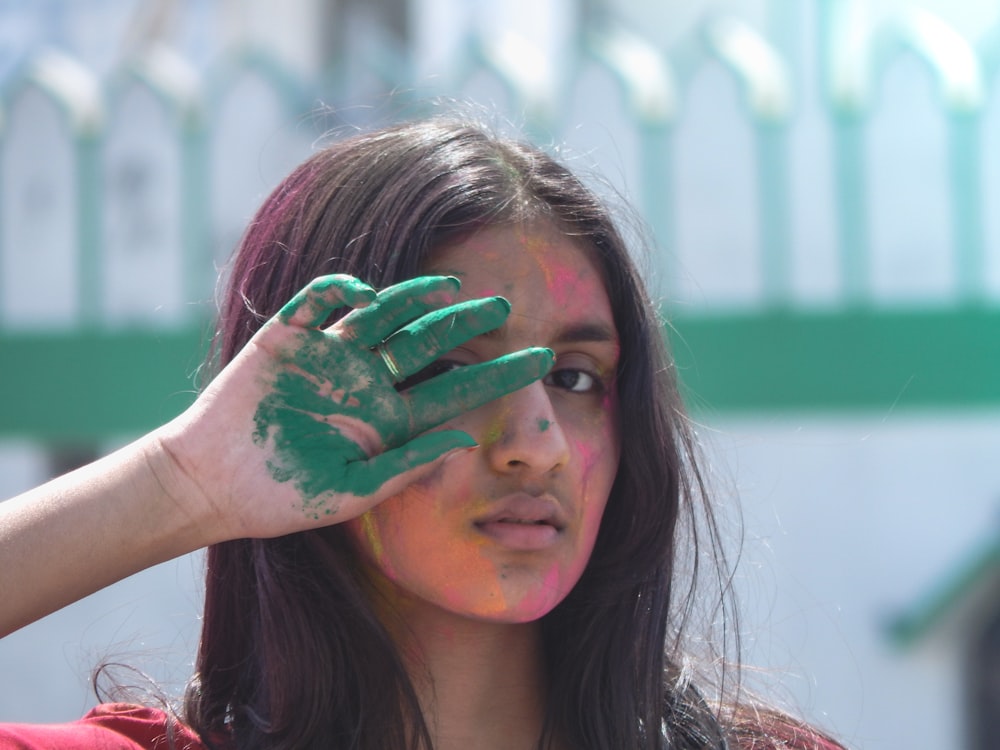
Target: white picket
{"x":39,"y":221}
{"x":718,"y":253}
{"x":256,"y":138}
{"x":912,"y":247}
{"x":142,"y":261}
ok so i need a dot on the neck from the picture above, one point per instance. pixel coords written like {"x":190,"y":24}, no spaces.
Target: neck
{"x":480,"y":684}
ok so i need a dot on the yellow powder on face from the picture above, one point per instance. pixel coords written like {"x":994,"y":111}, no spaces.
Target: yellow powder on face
{"x":493,"y":434}
{"x":370,"y":531}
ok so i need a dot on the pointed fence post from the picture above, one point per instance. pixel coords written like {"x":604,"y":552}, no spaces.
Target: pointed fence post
{"x":49,"y":193}
{"x":154,"y":227}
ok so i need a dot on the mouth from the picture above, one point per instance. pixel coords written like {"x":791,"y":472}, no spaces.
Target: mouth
{"x":523,"y":522}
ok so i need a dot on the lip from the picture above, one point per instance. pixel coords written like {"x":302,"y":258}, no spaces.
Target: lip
{"x":523,"y":522}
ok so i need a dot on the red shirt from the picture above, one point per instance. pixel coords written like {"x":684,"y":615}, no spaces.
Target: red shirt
{"x":113,"y":726}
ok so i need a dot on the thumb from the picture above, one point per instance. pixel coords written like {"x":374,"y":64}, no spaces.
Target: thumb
{"x":391,"y":472}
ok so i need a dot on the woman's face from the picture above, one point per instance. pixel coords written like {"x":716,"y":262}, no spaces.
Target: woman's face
{"x":503,"y":532}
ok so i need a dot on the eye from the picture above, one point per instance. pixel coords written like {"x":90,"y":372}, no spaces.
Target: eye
{"x":439,"y":367}
{"x":572,"y":380}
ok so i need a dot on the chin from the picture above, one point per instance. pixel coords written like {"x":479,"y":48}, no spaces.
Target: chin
{"x":503,"y":605}
{"x":516,"y":615}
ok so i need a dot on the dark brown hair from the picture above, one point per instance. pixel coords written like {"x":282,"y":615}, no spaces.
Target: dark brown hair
{"x":292,"y":655}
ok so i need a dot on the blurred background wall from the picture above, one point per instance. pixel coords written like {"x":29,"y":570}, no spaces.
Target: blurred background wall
{"x":821,"y":183}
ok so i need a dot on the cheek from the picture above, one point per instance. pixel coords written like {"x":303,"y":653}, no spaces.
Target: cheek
{"x":416,"y":525}
{"x":596,"y":442}
{"x":598,"y":457}
{"x":597,"y":475}
{"x":417,"y":542}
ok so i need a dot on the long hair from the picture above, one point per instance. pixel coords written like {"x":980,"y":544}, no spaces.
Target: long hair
{"x":291,"y":653}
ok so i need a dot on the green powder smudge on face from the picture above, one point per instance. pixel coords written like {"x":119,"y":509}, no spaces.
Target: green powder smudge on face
{"x":543,"y":425}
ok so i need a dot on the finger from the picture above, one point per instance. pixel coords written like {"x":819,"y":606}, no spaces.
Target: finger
{"x":465,"y":388}
{"x":312,"y":305}
{"x":398,"y":305}
{"x":417,"y":345}
{"x":389,"y":473}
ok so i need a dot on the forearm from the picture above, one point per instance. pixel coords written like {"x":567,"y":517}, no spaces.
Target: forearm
{"x":94,"y":526}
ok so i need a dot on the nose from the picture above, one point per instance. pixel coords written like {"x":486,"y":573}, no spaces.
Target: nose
{"x":524,"y":434}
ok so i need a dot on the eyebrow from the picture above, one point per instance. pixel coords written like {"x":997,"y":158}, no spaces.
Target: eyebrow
{"x":587,"y":333}
{"x":577,"y":333}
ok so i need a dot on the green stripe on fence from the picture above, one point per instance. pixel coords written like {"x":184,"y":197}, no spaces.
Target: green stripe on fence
{"x":846,"y":360}
{"x":90,"y":386}
{"x":86,"y":386}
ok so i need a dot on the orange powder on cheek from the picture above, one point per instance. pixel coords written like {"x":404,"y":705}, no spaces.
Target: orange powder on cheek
{"x":457,"y":569}
{"x":413,"y":546}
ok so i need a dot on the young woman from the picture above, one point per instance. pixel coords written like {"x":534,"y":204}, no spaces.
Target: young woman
{"x":443,"y":473}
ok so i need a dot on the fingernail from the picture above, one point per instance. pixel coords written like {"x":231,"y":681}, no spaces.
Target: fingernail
{"x":551,"y":357}
{"x":503,"y":301}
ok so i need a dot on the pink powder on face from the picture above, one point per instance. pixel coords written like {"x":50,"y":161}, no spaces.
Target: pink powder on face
{"x":589,"y":455}
{"x":562,"y":280}
{"x":546,"y":594}
{"x":564,"y":285}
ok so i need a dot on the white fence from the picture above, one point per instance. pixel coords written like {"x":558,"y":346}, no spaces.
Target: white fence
{"x":835,"y":172}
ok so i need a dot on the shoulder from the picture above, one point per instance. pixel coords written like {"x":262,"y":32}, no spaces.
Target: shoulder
{"x":112,"y":726}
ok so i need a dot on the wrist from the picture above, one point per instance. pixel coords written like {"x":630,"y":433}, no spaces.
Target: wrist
{"x":191,"y":513}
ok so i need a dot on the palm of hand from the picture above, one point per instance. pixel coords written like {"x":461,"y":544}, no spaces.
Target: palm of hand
{"x":328,"y":409}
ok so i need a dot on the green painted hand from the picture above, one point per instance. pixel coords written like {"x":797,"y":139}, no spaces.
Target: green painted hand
{"x":332,"y":421}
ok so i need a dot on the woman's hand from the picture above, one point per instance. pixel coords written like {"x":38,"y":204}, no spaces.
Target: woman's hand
{"x":306,"y":426}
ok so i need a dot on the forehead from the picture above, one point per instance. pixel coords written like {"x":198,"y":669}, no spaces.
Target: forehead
{"x":527,"y":263}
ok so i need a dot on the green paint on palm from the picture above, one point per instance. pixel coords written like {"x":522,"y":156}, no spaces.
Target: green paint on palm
{"x":297,"y":419}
